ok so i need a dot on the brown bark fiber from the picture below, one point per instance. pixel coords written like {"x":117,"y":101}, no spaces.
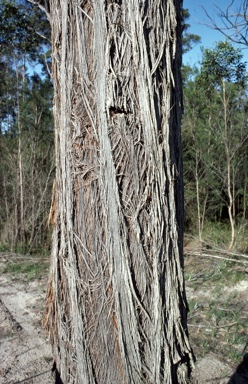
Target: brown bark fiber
{"x":116,"y":306}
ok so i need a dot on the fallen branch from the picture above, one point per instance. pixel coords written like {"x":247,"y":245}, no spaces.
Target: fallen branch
{"x":191,"y":253}
{"x":216,"y":326}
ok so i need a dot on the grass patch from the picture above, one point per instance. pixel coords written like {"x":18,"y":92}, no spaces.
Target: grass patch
{"x":217,"y":307}
{"x":24,"y":249}
{"x":237,"y":276}
{"x":31,"y":269}
{"x":217,"y":233}
{"x":193,"y":305}
{"x":3,"y":247}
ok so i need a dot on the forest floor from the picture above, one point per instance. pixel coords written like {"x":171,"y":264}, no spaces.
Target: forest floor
{"x":218,"y":315}
{"x":25,"y":353}
{"x":217,"y":298}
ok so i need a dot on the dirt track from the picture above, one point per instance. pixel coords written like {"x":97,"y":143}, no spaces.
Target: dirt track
{"x":25,"y":353}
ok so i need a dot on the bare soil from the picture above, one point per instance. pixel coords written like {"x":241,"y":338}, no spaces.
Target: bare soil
{"x":25,"y":353}
{"x":218,"y":303}
{"x":217,"y":295}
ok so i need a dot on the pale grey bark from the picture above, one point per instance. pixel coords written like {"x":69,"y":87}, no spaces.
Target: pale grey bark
{"x":116,"y":306}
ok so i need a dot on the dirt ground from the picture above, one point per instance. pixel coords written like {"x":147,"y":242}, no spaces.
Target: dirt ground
{"x":218,"y":302}
{"x":25,"y":353}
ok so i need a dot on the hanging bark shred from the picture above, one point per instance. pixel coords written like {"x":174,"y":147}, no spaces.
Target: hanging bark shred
{"x":116,"y":306}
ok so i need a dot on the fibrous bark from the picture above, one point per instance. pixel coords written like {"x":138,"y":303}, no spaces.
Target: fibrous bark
{"x":116,"y":306}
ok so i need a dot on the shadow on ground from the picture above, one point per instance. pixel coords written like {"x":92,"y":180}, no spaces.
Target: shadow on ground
{"x":240,"y":376}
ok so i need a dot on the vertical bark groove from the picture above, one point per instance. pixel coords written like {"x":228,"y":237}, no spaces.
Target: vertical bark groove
{"x":116,"y":307}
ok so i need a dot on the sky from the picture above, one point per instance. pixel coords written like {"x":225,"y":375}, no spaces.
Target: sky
{"x":198,"y":21}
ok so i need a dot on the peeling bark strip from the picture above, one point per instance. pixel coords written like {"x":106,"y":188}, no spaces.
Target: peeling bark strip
{"x":116,"y":307}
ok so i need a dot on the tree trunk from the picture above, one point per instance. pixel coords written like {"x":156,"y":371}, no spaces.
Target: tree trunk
{"x":231,"y":201}
{"x":116,"y":306}
{"x":199,"y":215}
{"x":20,"y":163}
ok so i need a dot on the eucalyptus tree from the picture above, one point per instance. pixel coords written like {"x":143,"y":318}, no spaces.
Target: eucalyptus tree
{"x":202,"y":190}
{"x":189,"y":40}
{"x":233,"y":21}
{"x":116,"y":305}
{"x":37,"y":166}
{"x":224,"y":73}
{"x":23,"y":39}
{"x":38,"y":159}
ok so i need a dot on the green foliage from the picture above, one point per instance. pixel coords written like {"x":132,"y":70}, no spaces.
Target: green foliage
{"x":2,"y":247}
{"x":20,"y":28}
{"x":217,"y":232}
{"x":36,"y":122}
{"x":192,"y":304}
{"x":223,"y":63}
{"x":199,"y":149}
{"x":26,"y":127}
{"x":188,"y":39}
{"x":7,"y":92}
{"x":14,"y":26}
{"x":211,"y":143}
{"x":24,"y":36}
{"x":31,"y":269}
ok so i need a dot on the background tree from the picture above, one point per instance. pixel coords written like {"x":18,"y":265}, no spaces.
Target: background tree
{"x":202,"y":190}
{"x":221,"y":68}
{"x":188,"y":39}
{"x":116,"y":306}
{"x":215,"y":138}
{"x":234,"y":22}
{"x":26,"y":126}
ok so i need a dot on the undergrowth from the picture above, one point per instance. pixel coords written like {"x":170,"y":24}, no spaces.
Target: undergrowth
{"x":31,"y":270}
{"x":217,"y":320}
